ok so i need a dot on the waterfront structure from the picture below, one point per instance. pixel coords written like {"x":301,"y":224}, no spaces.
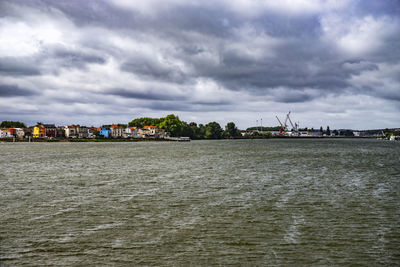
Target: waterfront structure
{"x":303,"y":133}
{"x":132,"y":132}
{"x":39,"y":131}
{"x":117,"y":131}
{"x":90,"y":132}
{"x":71,"y":131}
{"x":83,"y":131}
{"x":317,"y":133}
{"x":5,"y":133}
{"x":105,"y":132}
{"x":13,"y":132}
{"x":50,"y":130}
{"x":78,"y":131}
{"x":151,"y":132}
{"x":20,"y":133}
{"x":28,"y":131}
{"x":61,"y":131}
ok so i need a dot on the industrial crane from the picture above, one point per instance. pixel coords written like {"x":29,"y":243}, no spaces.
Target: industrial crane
{"x":295,"y":126}
{"x":283,"y":128}
{"x":284,"y":125}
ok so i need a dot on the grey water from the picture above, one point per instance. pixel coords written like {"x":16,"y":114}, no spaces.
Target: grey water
{"x":202,"y":203}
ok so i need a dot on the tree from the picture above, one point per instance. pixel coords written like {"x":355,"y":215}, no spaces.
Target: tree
{"x":213,"y":131}
{"x":232,"y":130}
{"x":195,"y":130}
{"x":328,"y":131}
{"x":12,"y":124}
{"x":321,"y":129}
{"x":145,"y":121}
{"x":201,"y":134}
{"x":187,"y":130}
{"x":172,"y":125}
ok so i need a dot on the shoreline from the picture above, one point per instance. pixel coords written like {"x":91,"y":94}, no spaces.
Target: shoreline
{"x":83,"y":140}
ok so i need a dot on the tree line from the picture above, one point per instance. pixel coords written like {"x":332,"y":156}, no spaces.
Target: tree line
{"x":12,"y":124}
{"x":176,"y":127}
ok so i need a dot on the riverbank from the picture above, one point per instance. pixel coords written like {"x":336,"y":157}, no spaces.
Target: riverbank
{"x":77,"y":140}
{"x":56,"y":140}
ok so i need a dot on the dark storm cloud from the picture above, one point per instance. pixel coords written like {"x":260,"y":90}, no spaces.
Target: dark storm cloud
{"x":182,"y":106}
{"x":18,"y":66}
{"x":73,"y":59}
{"x":293,"y":97}
{"x":151,"y":69}
{"x":9,"y":90}
{"x":147,"y":95}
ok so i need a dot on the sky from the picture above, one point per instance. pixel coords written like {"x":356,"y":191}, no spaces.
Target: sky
{"x":97,"y":62}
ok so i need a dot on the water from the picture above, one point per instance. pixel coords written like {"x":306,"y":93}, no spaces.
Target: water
{"x":203,"y":203}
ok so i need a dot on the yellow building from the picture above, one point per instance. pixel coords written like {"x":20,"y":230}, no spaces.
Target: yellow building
{"x":39,"y":131}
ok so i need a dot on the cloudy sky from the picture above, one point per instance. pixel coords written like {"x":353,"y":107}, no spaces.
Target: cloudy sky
{"x":95,"y":62}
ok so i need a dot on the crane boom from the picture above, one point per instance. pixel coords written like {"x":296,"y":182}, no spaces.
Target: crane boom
{"x":291,"y":123}
{"x":286,"y":120}
{"x":280,"y":122}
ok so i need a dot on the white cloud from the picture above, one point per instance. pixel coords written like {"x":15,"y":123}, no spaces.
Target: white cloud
{"x":18,"y":39}
{"x":358,"y":36}
{"x":251,"y":43}
{"x":291,"y":7}
{"x":382,"y":82}
{"x":246,"y":8}
{"x":151,"y":7}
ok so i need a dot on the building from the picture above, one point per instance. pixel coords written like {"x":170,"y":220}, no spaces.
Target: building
{"x":151,"y":132}
{"x":20,"y":133}
{"x":77,"y":131}
{"x":71,"y":131}
{"x":39,"y":131}
{"x":105,"y":132}
{"x":303,"y":133}
{"x":315,"y":133}
{"x":117,"y":131}
{"x":132,"y":132}
{"x":61,"y":131}
{"x":91,"y":132}
{"x":5,"y":133}
{"x":28,"y":131}
{"x":50,"y":130}
{"x":83,"y":131}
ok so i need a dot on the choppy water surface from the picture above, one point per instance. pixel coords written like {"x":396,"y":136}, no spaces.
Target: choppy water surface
{"x":231,"y":202}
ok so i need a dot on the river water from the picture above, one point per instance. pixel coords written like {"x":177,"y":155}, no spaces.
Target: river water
{"x":202,"y":203}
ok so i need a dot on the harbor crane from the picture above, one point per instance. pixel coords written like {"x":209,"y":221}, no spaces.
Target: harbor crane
{"x":295,"y":127}
{"x":284,"y":127}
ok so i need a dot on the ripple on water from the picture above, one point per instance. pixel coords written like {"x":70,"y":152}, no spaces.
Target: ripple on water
{"x":230,"y":202}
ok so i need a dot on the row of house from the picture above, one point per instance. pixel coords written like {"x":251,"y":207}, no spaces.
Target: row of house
{"x":78,"y":131}
{"x":12,"y":132}
{"x":117,"y":131}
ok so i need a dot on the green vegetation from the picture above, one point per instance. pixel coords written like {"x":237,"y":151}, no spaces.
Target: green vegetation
{"x":12,"y":124}
{"x":231,"y":130}
{"x":264,"y":129}
{"x":172,"y":125}
{"x":259,"y":135}
{"x":328,"y":131}
{"x":145,"y":121}
{"x":389,"y":133}
{"x":175,"y":127}
{"x":213,"y":131}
